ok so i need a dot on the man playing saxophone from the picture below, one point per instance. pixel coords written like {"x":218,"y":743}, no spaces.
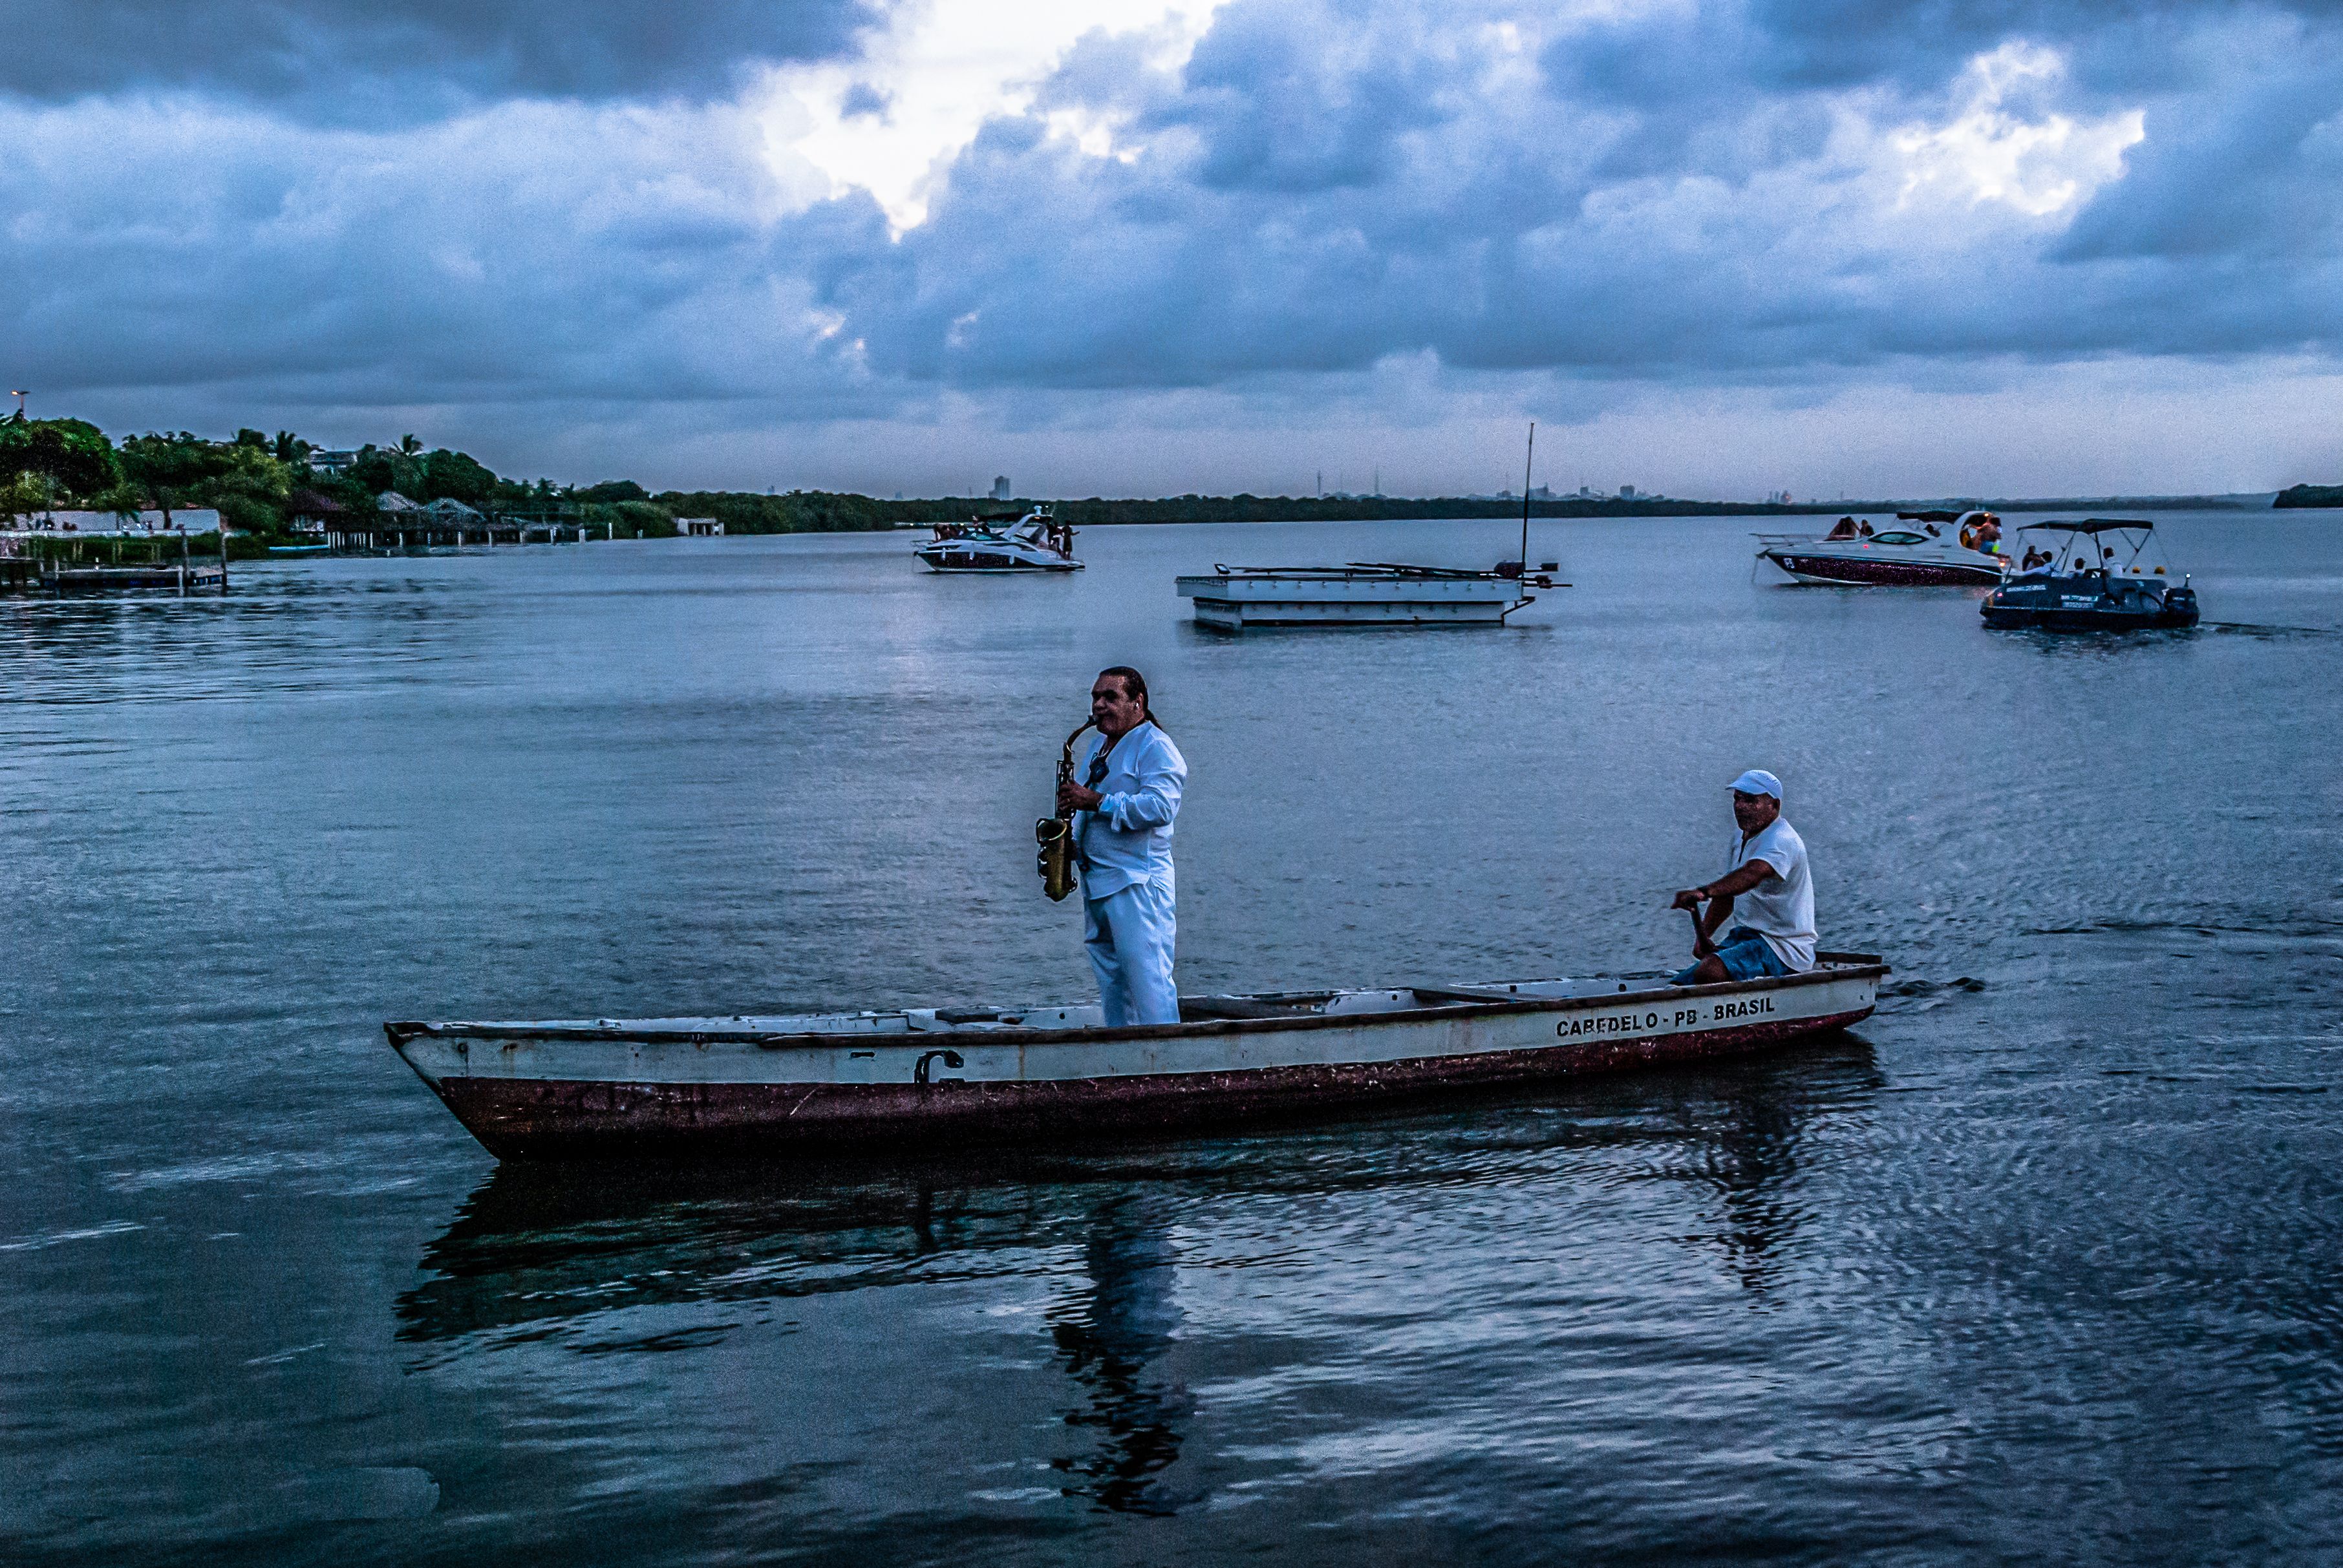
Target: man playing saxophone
{"x":1131,"y":775}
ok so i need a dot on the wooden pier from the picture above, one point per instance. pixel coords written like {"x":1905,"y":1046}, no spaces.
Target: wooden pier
{"x":56,"y":577}
{"x":208,"y":577}
{"x":57,"y":567}
{"x":412,"y":531}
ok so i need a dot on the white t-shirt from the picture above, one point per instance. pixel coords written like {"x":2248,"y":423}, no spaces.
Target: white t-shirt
{"x":1781,"y":909}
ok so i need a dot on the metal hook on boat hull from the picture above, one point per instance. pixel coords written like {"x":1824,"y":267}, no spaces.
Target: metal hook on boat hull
{"x":926,"y":1059}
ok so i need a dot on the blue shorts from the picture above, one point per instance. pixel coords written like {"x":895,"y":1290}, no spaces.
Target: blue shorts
{"x":1745,"y":956}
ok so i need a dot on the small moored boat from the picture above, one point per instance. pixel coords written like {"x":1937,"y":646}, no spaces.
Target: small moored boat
{"x":2089,"y":585}
{"x":1362,"y":593}
{"x":1921,"y":557}
{"x":1034,"y":541}
{"x":903,"y":1082}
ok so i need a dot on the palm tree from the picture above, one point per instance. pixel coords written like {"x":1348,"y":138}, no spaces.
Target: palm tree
{"x":409,"y":446}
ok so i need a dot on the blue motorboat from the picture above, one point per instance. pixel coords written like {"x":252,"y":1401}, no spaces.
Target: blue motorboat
{"x":2096,"y":574}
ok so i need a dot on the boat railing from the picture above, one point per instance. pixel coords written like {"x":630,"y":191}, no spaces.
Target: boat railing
{"x":1351,"y":570}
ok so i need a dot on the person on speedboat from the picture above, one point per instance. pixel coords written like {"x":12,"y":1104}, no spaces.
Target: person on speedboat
{"x":1123,"y":839}
{"x":1770,"y":888}
{"x":1845,"y":529}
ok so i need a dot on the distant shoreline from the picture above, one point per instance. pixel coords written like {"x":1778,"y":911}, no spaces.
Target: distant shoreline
{"x":1096,"y":512}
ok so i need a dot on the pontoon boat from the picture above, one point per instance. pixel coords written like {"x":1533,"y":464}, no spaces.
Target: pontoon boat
{"x":2085,"y":584}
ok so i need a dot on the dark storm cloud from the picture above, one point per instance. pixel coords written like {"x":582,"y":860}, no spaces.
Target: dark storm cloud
{"x":1758,"y":194}
{"x":336,"y":56}
{"x":538,"y":254}
{"x":1696,"y":194}
{"x":1306,"y":97}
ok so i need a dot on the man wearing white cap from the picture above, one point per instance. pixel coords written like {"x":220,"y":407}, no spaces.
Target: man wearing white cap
{"x":1767,"y":886}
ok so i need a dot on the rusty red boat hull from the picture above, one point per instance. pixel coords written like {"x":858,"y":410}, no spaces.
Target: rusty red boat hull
{"x":911,"y":1081}
{"x":1858,"y":572}
{"x":542,"y":1118}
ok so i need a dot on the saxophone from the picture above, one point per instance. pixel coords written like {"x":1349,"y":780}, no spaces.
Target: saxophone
{"x":1055,"y":859}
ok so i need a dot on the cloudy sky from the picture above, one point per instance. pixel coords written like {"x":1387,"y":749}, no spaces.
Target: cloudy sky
{"x":1142,"y":246}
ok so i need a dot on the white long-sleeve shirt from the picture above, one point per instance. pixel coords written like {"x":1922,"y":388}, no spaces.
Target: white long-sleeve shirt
{"x":1127,"y":839}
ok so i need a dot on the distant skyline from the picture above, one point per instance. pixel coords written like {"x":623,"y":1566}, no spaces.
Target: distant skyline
{"x":1135,"y":247}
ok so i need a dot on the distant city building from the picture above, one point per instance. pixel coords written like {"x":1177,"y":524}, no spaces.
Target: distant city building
{"x":332,"y":463}
{"x":1540,"y":493}
{"x":1626,"y":492}
{"x":1001,"y":487}
{"x":699,"y":528}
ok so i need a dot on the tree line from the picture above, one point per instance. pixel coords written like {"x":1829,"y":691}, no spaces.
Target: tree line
{"x":260,"y":484}
{"x":2309,"y":496}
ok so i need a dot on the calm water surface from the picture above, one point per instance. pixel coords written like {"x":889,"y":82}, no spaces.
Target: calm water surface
{"x":2044,"y":1261}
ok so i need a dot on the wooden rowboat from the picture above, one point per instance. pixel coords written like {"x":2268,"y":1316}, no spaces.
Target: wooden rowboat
{"x":915,"y":1079}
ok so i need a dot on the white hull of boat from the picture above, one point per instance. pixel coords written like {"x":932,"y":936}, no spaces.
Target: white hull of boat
{"x":993,"y":560}
{"x":1865,"y":563}
{"x":907,"y":1080}
{"x":1231,"y":603}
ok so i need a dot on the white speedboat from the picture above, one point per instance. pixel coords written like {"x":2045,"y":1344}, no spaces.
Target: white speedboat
{"x":1035,"y":542}
{"x":1363,"y":593}
{"x":1939,"y":549}
{"x":905,"y":1081}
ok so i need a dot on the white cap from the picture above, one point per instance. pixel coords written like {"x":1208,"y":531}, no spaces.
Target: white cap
{"x":1758,"y":782}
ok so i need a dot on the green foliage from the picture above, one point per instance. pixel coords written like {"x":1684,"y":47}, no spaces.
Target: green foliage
{"x":1379,"y":509}
{"x":2310,"y":495}
{"x":74,"y":455}
{"x":522,"y":496}
{"x":167,"y":467}
{"x":253,"y":479}
{"x":627,"y":519}
{"x":251,"y":489}
{"x":425,"y":476}
{"x":123,"y":500}
{"x":456,"y":475}
{"x":242,"y":478}
{"x":25,"y":492}
{"x":353,"y":496}
{"x":377,"y":470}
{"x":799,"y":512}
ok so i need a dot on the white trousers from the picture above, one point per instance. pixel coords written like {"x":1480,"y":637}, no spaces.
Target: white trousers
{"x":1130,"y":936}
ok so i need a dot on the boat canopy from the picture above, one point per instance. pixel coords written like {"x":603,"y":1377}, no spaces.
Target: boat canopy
{"x":1937,"y":516}
{"x":2090,"y":526}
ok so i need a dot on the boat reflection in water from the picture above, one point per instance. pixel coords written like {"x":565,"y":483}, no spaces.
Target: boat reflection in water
{"x":950,"y":1264}
{"x":1111,"y":1337}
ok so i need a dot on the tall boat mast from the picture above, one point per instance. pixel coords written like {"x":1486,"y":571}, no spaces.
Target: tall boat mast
{"x":1527,"y":463}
